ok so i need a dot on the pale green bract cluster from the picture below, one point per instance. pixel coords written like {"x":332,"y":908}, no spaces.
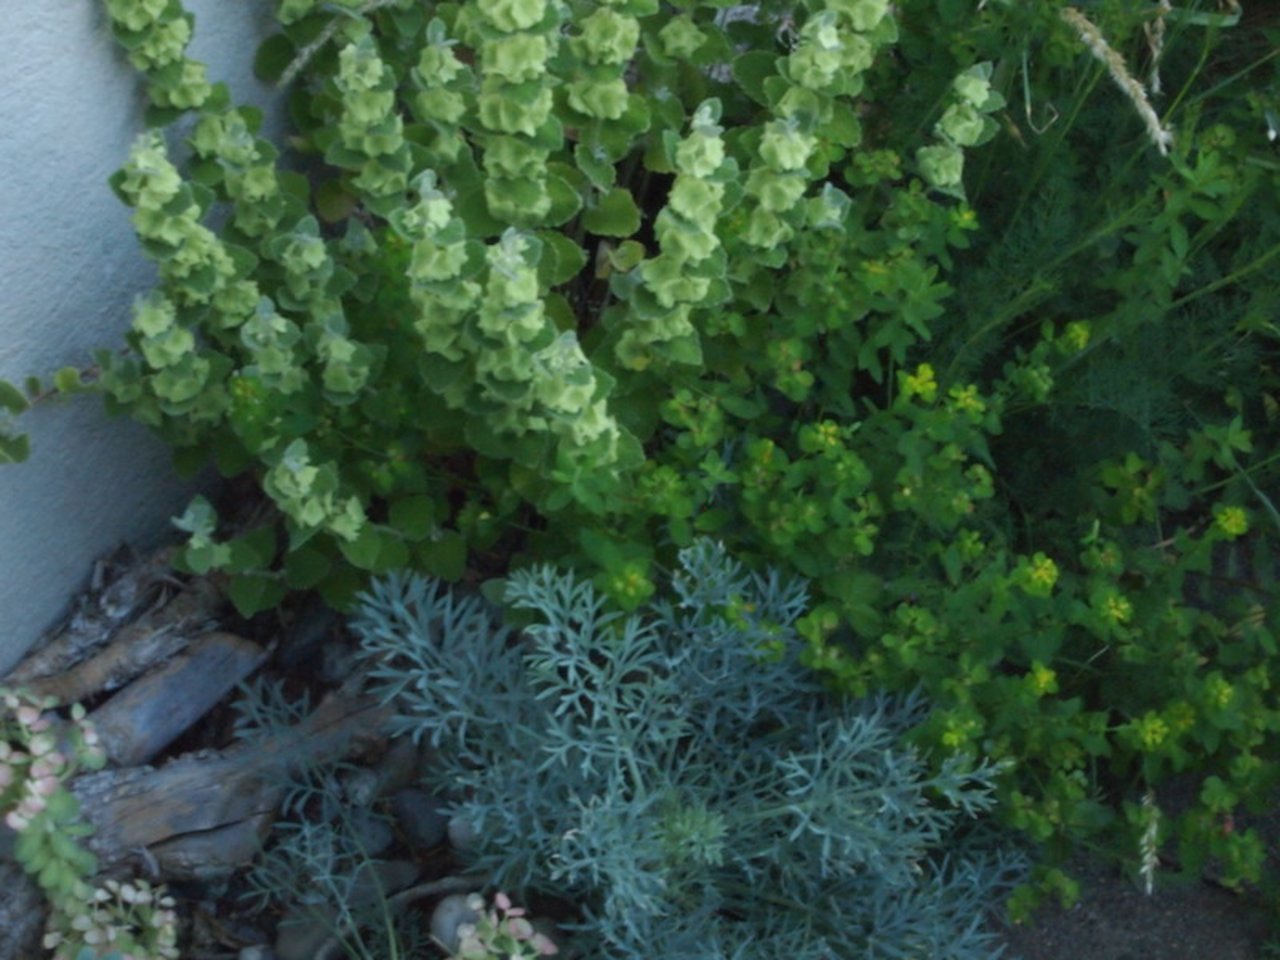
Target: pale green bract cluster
{"x":195,"y":265}
{"x":370,"y":131}
{"x":443,"y":84}
{"x":521,"y":203}
{"x":208,"y":279}
{"x":156,"y":41}
{"x":310,"y":494}
{"x":513,"y":41}
{"x":965,"y":123}
{"x":836,"y":45}
{"x":530,"y":379}
{"x":683,"y":274}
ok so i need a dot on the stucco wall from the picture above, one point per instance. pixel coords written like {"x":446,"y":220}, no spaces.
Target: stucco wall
{"x":70,"y":106}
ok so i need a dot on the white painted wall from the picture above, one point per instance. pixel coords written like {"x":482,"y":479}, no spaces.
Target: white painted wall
{"x":70,"y":106}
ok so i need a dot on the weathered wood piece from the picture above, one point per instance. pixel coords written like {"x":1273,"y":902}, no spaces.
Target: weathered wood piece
{"x":135,"y":810}
{"x":397,"y":768}
{"x":213,"y":854}
{"x":100,"y":613}
{"x":22,"y":910}
{"x":153,"y":638}
{"x":153,"y":711}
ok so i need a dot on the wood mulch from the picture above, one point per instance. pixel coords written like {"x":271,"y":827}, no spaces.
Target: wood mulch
{"x":156,"y":658}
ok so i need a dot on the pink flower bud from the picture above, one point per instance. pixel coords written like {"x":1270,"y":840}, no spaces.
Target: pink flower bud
{"x":16,"y":821}
{"x":544,"y":946}
{"x":46,"y":766}
{"x":520,"y":928}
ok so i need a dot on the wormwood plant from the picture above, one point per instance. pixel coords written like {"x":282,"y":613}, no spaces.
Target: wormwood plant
{"x":677,"y":776}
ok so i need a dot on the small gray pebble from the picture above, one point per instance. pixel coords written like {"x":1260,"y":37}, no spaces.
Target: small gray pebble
{"x":372,"y":832}
{"x":361,"y":787}
{"x":421,"y":816}
{"x":301,"y":935}
{"x":462,"y":835}
{"x":337,"y":662}
{"x":449,"y":914}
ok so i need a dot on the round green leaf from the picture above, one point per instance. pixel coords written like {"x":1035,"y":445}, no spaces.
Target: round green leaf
{"x":14,"y":449}
{"x":253,"y":551}
{"x":615,"y":215}
{"x":273,"y":58}
{"x":445,"y":557}
{"x":253,"y":593}
{"x":11,"y":398}
{"x":413,"y":517}
{"x":340,"y":587}
{"x":306,"y":567}
{"x":751,"y":70}
{"x":562,"y":259}
{"x":596,"y":164}
{"x":566,"y":201}
{"x":334,"y":202}
{"x":363,"y":551}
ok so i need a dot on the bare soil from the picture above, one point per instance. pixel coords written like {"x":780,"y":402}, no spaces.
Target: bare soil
{"x":1116,"y":920}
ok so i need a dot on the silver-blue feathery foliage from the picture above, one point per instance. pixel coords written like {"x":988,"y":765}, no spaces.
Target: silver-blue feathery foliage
{"x":680,"y":777}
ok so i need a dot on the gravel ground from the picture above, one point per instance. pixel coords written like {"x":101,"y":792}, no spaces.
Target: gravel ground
{"x":1115,"y":920}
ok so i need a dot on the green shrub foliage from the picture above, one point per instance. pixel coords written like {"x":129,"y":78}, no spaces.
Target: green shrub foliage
{"x":678,"y":776}
{"x":509,"y":208}
{"x":905,"y":300}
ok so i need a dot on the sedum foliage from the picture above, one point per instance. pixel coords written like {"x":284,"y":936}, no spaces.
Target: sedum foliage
{"x":677,"y":776}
